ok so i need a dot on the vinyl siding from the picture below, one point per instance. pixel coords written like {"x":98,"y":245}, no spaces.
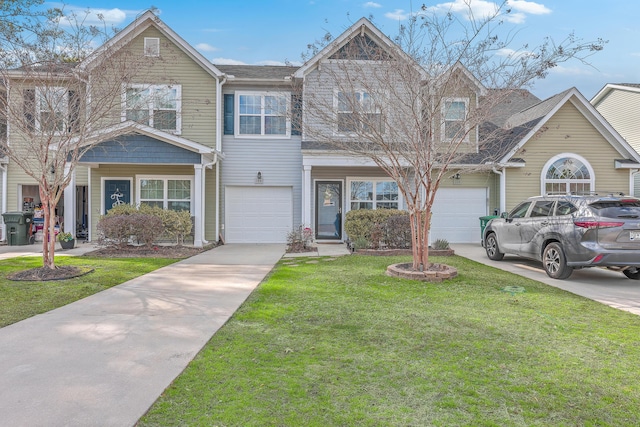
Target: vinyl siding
{"x":127,"y":171}
{"x":620,"y":108}
{"x":567,"y":132}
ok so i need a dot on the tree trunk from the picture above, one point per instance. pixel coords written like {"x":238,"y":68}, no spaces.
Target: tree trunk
{"x":48,"y":232}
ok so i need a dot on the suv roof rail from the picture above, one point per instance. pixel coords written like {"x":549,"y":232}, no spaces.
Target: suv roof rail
{"x":586,"y":193}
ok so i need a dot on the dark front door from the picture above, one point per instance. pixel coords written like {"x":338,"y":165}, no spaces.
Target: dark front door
{"x":116,"y":192}
{"x":328,"y":210}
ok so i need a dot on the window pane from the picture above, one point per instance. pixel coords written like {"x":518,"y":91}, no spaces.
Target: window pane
{"x":275,"y":125}
{"x":179,"y":206}
{"x":275,"y":105}
{"x":152,"y":189}
{"x":362,"y":190}
{"x":250,"y":125}
{"x":166,"y":98}
{"x":250,"y":104}
{"x":452,"y":129}
{"x":520,"y":210}
{"x":387,"y":205}
{"x":455,"y":110}
{"x":346,"y":101}
{"x":386,"y":190}
{"x":347,"y":122}
{"x":164,"y":119}
{"x":361,"y":205}
{"x":140,"y":116}
{"x":158,"y":204}
{"x":179,"y":189}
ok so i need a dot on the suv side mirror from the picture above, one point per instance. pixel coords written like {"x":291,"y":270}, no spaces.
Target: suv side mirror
{"x":504,"y":215}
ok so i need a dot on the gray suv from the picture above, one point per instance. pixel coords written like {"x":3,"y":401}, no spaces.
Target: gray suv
{"x":569,"y":232}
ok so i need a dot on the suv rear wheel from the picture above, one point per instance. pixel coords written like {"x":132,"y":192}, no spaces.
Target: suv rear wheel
{"x":632,"y":273}
{"x":554,"y":262}
{"x":491,"y":246}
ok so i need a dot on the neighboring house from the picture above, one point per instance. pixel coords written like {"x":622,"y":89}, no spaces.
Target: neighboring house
{"x":619,"y":103}
{"x":228,"y":144}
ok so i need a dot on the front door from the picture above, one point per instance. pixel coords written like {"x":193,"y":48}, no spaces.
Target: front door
{"x":329,"y":210}
{"x":116,"y":192}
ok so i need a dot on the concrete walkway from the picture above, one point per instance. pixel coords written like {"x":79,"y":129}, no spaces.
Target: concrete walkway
{"x":104,"y":360}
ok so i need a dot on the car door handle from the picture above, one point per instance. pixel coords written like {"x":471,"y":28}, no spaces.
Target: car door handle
{"x":545,"y":223}
{"x":517,"y":224}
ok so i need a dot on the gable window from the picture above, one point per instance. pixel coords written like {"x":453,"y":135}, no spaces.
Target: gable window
{"x":357,"y":112}
{"x":263,"y":114}
{"x":172,"y":193}
{"x":151,"y":46}
{"x":373,"y":194}
{"x":567,"y":173}
{"x":454,"y":116}
{"x":157,"y":106}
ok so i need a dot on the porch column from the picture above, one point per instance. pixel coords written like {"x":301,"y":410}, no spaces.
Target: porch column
{"x":70,"y":203}
{"x":503,"y":191}
{"x":306,"y":196}
{"x":198,"y":206}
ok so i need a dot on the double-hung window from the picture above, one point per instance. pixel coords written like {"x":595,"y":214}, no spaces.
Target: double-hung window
{"x":52,"y":109}
{"x":157,"y":106}
{"x":263,"y":114}
{"x":373,"y":194}
{"x":357,"y":112}
{"x":454,"y":118}
{"x":172,"y":193}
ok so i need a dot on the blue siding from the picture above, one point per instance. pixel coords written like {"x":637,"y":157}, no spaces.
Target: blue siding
{"x":139,"y":149}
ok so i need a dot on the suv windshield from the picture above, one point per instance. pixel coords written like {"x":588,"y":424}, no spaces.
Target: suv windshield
{"x":623,"y":208}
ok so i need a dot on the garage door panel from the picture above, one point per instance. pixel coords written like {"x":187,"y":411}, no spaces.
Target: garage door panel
{"x":258,"y":214}
{"x":456,"y":213}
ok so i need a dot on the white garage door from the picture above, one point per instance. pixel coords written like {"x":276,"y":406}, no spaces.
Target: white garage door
{"x":456,"y":214}
{"x":258,"y":214}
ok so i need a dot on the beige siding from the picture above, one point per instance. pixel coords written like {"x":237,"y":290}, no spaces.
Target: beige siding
{"x":620,"y":108}
{"x":567,"y":132}
{"x":127,"y":171}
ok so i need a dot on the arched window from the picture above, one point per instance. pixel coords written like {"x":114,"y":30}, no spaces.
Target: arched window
{"x":567,"y":173}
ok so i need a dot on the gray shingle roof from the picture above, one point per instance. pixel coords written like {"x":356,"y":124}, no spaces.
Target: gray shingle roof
{"x":258,"y":72}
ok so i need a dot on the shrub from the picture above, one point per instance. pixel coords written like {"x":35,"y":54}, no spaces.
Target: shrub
{"x":376,"y":228}
{"x":441,"y":244}
{"x":175,"y":225}
{"x":299,"y":239}
{"x":119,"y":229}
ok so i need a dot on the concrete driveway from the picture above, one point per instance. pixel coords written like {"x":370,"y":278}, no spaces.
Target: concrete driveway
{"x":605,"y":286}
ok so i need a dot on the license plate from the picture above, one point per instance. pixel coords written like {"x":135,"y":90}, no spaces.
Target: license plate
{"x":634,"y":235}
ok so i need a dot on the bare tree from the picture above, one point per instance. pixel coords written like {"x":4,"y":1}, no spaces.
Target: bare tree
{"x":58,"y":101}
{"x":423,"y":103}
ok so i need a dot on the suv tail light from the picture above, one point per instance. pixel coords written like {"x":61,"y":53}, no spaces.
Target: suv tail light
{"x":598,"y":224}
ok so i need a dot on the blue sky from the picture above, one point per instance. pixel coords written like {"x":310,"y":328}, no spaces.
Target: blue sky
{"x":275,"y":31}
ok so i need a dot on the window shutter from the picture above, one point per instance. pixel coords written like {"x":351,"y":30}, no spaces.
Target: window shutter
{"x":228,"y":114}
{"x":29,"y":108}
{"x":296,"y":114}
{"x":74,"y":111}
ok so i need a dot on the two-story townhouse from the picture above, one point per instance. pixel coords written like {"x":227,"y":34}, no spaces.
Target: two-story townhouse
{"x":162,"y":140}
{"x":527,"y":147}
{"x":619,"y":103}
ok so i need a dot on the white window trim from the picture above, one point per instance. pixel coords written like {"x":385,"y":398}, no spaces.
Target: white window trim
{"x":262,"y":135}
{"x":336,"y":104}
{"x":42,"y":91}
{"x":443,"y":112}
{"x":543,"y":175}
{"x":150,"y":105}
{"x":375,"y":180}
{"x":152,"y":46}
{"x":165,"y":189}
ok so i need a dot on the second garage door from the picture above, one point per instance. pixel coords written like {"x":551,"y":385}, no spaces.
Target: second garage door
{"x":258,"y":214}
{"x":456,"y":213}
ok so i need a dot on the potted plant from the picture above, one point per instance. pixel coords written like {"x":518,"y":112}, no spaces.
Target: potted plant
{"x":67,"y":241}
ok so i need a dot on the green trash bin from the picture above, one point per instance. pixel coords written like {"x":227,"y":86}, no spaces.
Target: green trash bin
{"x":18,"y":225}
{"x":484,"y":220}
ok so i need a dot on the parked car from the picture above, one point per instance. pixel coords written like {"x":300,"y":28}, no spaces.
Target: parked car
{"x":570,"y":232}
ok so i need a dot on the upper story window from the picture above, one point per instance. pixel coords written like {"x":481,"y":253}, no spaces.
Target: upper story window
{"x":263,"y":114}
{"x":52,"y":109}
{"x":158,"y":106}
{"x":151,"y":46}
{"x":357,"y":112}
{"x":454,"y":113}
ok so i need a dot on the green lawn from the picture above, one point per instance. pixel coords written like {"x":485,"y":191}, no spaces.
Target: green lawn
{"x":338,"y":343}
{"x":21,"y":300}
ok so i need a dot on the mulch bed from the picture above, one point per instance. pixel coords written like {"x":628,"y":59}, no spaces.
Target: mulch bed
{"x":42,"y":274}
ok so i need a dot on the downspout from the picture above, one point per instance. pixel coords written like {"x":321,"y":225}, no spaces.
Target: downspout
{"x":204,"y":175}
{"x":503,"y":186}
{"x":219,"y":125}
{"x":4,"y":198}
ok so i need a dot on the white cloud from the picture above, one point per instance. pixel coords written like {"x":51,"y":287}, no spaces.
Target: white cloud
{"x":87,"y":16}
{"x":227,"y":61}
{"x":372,"y":4}
{"x":528,"y":7}
{"x":205,"y":47}
{"x":572,"y":71}
{"x":398,"y":15}
{"x":510,"y":53}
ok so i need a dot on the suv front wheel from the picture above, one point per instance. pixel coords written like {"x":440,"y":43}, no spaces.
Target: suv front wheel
{"x":491,"y":246}
{"x":554,"y":262}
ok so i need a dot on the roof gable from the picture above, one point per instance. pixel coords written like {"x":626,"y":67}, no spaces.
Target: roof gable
{"x":610,"y":87}
{"x":135,"y":28}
